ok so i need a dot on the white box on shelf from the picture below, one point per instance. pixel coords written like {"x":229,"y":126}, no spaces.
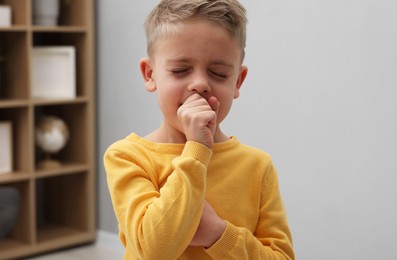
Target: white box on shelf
{"x":5,"y":16}
{"x":54,"y":72}
{"x":5,"y":147}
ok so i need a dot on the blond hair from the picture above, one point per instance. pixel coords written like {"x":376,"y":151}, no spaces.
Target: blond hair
{"x":168,"y":17}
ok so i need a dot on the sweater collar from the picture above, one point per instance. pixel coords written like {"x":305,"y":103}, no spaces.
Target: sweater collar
{"x":231,"y":143}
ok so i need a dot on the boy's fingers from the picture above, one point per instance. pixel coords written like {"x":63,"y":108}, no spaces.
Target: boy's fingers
{"x":193,"y":97}
{"x":214,"y":103}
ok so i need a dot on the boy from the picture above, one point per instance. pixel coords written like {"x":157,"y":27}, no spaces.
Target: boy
{"x":187,"y":190}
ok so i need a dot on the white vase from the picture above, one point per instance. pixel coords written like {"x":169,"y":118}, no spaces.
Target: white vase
{"x":45,"y":12}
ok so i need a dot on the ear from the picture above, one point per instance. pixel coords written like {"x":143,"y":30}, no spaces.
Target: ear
{"x":240,"y":80}
{"x":147,"y":73}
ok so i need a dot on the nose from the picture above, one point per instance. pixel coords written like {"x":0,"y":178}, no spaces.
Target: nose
{"x":200,"y":84}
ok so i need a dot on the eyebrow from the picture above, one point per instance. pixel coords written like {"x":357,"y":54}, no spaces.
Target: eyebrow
{"x":223,"y":63}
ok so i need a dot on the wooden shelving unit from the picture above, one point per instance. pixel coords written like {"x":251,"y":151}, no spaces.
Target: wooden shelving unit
{"x":57,"y":206}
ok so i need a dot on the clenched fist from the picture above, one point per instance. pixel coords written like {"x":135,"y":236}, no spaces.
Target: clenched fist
{"x":198,"y":118}
{"x":210,"y":229}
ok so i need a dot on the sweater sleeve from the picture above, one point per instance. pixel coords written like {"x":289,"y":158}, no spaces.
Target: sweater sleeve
{"x":157,"y":224}
{"x":272,"y":237}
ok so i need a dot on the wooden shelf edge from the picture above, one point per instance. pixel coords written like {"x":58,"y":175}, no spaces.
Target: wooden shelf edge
{"x":14,"y":28}
{"x":50,"y":233}
{"x":43,"y":101}
{"x":66,"y":169}
{"x":59,"y":29}
{"x":10,"y":103}
{"x":51,"y":239}
{"x":14,"y":177}
{"x":55,"y":237}
{"x":44,"y":29}
{"x":10,"y":248}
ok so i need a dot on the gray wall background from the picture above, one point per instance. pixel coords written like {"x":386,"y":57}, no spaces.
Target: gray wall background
{"x":320,"y":97}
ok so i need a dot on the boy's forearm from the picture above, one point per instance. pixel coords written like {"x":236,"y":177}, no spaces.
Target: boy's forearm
{"x":152,"y":220}
{"x":240,"y":243}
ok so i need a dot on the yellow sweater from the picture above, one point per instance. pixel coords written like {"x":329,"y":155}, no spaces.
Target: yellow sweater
{"x":158,"y":191}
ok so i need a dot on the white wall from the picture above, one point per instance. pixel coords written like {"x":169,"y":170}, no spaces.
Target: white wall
{"x":123,"y":104}
{"x":320,"y":97}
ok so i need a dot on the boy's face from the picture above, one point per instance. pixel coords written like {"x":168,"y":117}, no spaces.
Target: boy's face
{"x":201,"y":58}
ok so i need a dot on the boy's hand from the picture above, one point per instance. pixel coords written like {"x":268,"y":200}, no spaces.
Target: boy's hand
{"x":210,"y":229}
{"x":198,"y":119}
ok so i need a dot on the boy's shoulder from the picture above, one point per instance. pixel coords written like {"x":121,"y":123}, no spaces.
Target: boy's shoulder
{"x":135,"y":144}
{"x":252,"y":152}
{"x":253,"y":160}
{"x":125,"y":145}
{"x":255,"y":151}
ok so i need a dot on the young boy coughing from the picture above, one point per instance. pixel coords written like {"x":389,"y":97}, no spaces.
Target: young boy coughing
{"x":187,"y":190}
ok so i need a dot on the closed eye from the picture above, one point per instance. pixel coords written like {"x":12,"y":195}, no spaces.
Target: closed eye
{"x":219,"y":75}
{"x":179,"y":72}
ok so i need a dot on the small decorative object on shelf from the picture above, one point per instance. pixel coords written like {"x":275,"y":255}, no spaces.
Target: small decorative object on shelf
{"x":9,"y":209}
{"x":45,"y":12}
{"x":52,"y":135}
{"x":5,"y":147}
{"x":5,"y":16}
{"x":54,"y":72}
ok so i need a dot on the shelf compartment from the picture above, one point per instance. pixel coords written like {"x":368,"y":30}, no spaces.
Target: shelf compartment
{"x":74,"y":13}
{"x":83,"y":58}
{"x":15,"y":46}
{"x":21,"y":137}
{"x":19,"y":10}
{"x":75,"y":117}
{"x":62,"y":207}
{"x":22,"y":234}
{"x":71,"y":13}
